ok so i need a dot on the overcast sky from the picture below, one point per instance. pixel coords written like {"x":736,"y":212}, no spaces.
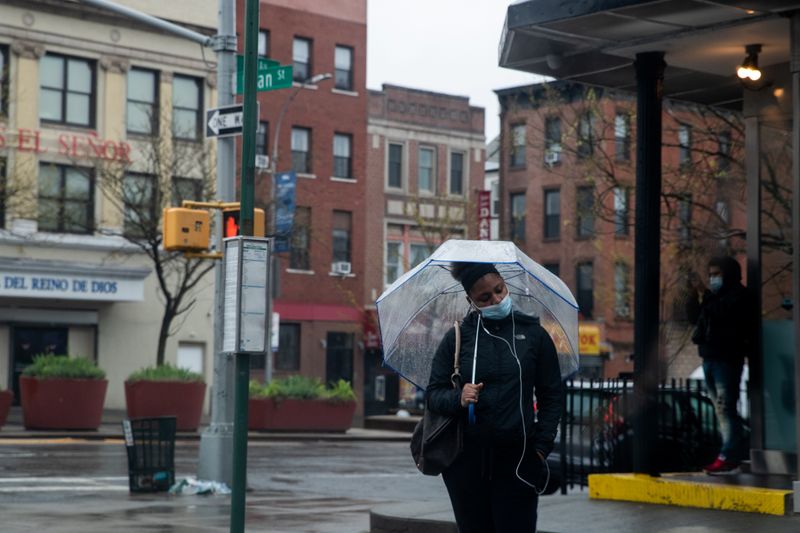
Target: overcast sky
{"x":447,"y":46}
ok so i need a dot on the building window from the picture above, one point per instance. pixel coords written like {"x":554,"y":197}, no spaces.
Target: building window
{"x":456,"y":173}
{"x":67,"y":90}
{"x":395,"y":177}
{"x":65,"y":199}
{"x":427,"y":170}
{"x":724,"y":151}
{"x":301,"y":150}
{"x":622,"y":293}
{"x":3,"y":81}
{"x":142,"y":105}
{"x":419,"y":252}
{"x":554,"y":268}
{"x":684,"y":145}
{"x":263,"y":43}
{"x":262,"y":138}
{"x":187,"y":107}
{"x":517,"y":145}
{"x":339,"y":356}
{"x":3,"y":184}
{"x":552,"y":214}
{"x":622,"y":137}
{"x":139,"y":199}
{"x":343,"y":60}
{"x":723,"y":221}
{"x":288,"y":356}
{"x":394,"y":261}
{"x":621,"y":196}
{"x":342,"y":155}
{"x":186,"y":189}
{"x":685,"y":219}
{"x":552,"y":140}
{"x":342,"y":228}
{"x":301,"y":58}
{"x":301,"y":239}
{"x":584,"y":277}
{"x":585,"y":135}
{"x":518,"y":217}
{"x":584,"y":211}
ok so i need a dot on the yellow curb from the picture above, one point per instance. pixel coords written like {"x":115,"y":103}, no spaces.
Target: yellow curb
{"x":665,"y":491}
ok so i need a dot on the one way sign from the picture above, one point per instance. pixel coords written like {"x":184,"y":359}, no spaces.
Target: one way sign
{"x":225,"y":121}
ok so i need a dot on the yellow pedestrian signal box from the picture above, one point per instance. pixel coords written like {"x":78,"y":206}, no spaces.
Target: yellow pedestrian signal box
{"x":186,"y":229}
{"x":230,"y":222}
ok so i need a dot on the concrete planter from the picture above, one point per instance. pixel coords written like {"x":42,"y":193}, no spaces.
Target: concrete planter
{"x":61,"y":403}
{"x":181,"y":399}
{"x":267,"y":414}
{"x":6,"y":397}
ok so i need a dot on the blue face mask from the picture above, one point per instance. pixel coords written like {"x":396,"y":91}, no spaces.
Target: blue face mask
{"x":497,"y":311}
{"x":715,"y":283}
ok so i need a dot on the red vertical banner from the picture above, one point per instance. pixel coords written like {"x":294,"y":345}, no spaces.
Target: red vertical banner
{"x":484,"y":215}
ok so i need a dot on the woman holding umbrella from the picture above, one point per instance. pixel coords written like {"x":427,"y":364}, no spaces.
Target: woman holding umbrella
{"x":495,"y":483}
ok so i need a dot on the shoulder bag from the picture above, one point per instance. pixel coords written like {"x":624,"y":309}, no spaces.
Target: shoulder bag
{"x":438,"y":439}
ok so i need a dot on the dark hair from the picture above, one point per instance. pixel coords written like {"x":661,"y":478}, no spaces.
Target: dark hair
{"x":468,"y":273}
{"x":731,"y":271}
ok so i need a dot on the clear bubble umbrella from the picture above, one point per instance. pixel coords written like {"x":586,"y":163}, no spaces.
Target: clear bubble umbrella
{"x":417,"y":310}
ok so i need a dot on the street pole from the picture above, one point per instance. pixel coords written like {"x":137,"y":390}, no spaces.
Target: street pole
{"x":251,"y":20}
{"x":216,"y":442}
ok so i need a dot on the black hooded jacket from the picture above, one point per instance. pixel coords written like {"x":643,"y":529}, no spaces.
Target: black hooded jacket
{"x":498,"y":408}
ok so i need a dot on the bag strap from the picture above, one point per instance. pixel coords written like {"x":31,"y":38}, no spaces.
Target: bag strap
{"x":456,"y":375}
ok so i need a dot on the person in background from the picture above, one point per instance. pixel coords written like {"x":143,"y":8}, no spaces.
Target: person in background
{"x":724,"y":335}
{"x":495,"y":483}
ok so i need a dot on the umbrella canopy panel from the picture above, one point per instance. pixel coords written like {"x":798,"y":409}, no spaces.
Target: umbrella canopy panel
{"x":418,"y":309}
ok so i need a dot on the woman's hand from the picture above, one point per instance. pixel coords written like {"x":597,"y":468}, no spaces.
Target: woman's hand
{"x":470,"y":393}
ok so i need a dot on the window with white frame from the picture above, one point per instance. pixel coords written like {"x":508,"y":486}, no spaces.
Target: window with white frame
{"x":301,"y":59}
{"x":67,"y":90}
{"x":621,"y":195}
{"x":684,"y":145}
{"x":301,"y":150}
{"x":552,"y":214}
{"x":395,"y":169}
{"x":342,"y":156}
{"x":622,"y":137}
{"x":263,"y":43}
{"x":552,"y":140}
{"x":426,"y":175}
{"x":394,"y":261}
{"x":343,"y":65}
{"x":341,"y":236}
{"x":518,"y":140}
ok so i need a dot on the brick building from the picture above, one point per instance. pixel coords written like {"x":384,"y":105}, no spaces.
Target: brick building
{"x":320,"y":125}
{"x":425,"y":163}
{"x":567,"y":172}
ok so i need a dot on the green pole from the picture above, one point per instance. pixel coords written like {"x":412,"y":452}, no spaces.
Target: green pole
{"x":251,"y":23}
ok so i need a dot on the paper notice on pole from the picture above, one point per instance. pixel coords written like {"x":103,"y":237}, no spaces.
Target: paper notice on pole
{"x":253,"y":329}
{"x":230,"y":305}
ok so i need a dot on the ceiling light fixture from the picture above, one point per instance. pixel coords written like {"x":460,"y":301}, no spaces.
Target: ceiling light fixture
{"x":749,"y":70}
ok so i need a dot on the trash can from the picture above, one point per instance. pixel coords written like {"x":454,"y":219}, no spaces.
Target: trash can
{"x":151,"y":453}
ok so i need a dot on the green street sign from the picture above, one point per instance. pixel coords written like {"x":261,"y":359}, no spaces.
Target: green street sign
{"x":270,"y":76}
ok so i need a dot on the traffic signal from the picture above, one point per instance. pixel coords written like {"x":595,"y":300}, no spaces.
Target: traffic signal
{"x":230,"y":222}
{"x":185,"y":229}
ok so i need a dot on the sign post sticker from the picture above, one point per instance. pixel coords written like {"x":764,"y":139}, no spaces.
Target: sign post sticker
{"x":246,"y":286}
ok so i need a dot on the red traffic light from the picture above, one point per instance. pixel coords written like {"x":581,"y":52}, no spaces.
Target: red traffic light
{"x":232,"y":228}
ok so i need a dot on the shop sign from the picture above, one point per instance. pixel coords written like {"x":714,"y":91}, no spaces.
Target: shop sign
{"x":73,"y":145}
{"x":589,"y":339}
{"x":484,"y":215}
{"x":26,"y":285}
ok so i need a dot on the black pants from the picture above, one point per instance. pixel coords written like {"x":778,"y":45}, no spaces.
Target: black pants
{"x":487,"y":496}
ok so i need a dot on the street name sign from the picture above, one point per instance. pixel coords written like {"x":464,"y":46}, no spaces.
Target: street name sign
{"x":270,"y":76}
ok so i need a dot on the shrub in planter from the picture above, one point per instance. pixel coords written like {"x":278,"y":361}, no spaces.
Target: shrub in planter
{"x":62,"y":392}
{"x":6,"y":396}
{"x":300,"y":403}
{"x":166,"y":390}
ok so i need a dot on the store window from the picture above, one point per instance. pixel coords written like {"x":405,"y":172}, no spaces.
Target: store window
{"x":142,"y":104}
{"x":342,"y":155}
{"x":457,"y":173}
{"x":67,"y":90}
{"x":301,"y":59}
{"x":552,"y":214}
{"x":341,"y":237}
{"x":139,"y":199}
{"x":584,"y":212}
{"x":339,"y":356}
{"x":584,"y":278}
{"x":66,"y":199}
{"x":395,"y":170}
{"x":517,"y":226}
{"x":622,"y":137}
{"x":344,"y":68}
{"x":301,"y":239}
{"x":301,"y":150}
{"x":427,"y":170}
{"x":187,"y":107}
{"x":288,"y":356}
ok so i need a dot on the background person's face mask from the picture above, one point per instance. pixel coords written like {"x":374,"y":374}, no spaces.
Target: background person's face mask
{"x":497,"y":311}
{"x":715,"y":283}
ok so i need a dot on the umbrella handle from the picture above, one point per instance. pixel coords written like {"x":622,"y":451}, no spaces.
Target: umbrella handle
{"x":472,"y":414}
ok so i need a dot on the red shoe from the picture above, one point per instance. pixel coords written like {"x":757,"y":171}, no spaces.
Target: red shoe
{"x":721,"y":466}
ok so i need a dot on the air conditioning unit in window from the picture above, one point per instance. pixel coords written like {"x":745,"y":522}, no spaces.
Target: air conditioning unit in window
{"x":341,"y":267}
{"x":262,"y":161}
{"x":552,"y":157}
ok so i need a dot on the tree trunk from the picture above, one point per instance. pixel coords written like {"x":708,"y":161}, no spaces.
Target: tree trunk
{"x":163,"y":333}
